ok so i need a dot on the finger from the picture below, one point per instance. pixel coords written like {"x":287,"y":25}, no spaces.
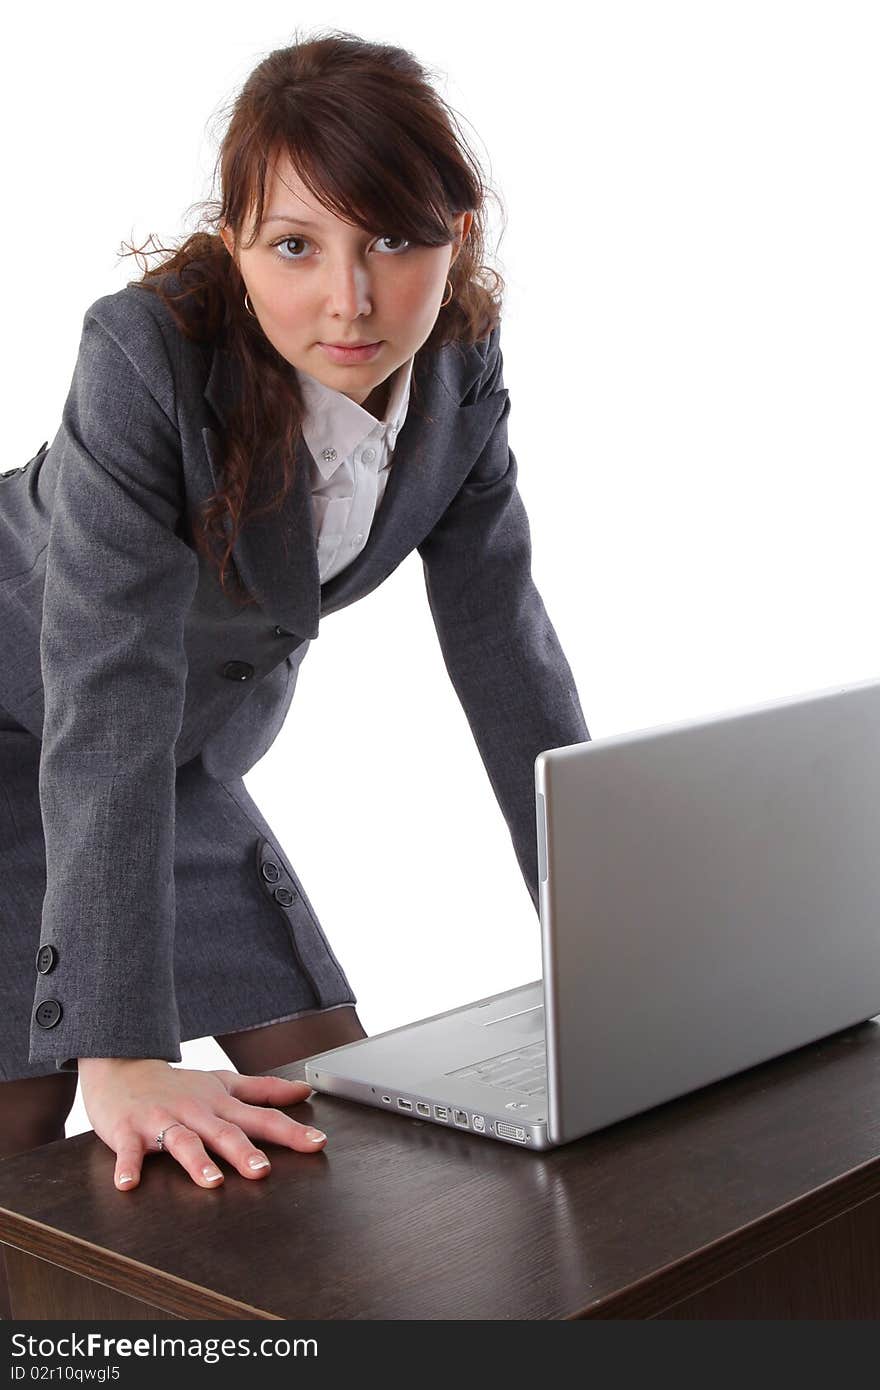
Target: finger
{"x":129,"y":1161}
{"x":186,"y":1146}
{"x":230,"y":1141}
{"x":268,"y":1090}
{"x":272,"y":1126}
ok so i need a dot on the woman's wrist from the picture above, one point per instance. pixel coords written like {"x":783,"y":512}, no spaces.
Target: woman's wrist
{"x":92,"y":1065}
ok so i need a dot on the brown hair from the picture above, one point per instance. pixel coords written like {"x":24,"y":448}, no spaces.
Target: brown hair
{"x":373,"y":141}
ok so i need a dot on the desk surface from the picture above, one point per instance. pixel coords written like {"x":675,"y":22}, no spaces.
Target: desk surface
{"x":398,"y":1218}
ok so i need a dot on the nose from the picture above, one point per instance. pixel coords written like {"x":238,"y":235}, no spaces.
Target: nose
{"x":348,"y":293}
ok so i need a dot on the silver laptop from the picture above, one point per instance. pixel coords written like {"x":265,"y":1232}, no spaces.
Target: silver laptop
{"x":709,"y":899}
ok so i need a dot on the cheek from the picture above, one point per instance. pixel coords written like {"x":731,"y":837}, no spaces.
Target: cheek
{"x":414,"y":295}
{"x":291,"y":312}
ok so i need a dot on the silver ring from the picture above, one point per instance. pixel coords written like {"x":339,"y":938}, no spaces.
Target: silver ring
{"x":160,"y":1138}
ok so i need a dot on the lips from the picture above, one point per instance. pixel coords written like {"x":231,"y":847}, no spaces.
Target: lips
{"x":361,"y":352}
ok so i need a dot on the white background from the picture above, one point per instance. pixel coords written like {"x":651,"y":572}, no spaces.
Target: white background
{"x":691,"y":346}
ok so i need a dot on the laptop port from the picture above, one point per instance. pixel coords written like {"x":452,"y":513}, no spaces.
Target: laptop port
{"x":505,"y":1131}
{"x":479,"y":1123}
{"x":387,"y":1100}
{"x":460,"y":1117}
{"x":422,"y":1108}
{"x":403,"y":1104}
{"x":441,"y":1112}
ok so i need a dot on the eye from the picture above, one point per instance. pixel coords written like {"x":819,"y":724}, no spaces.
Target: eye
{"x":292,"y":259}
{"x":285,"y":241}
{"x":397,"y":238}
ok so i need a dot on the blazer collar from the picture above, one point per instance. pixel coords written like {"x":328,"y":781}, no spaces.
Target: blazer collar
{"x":441,"y":438}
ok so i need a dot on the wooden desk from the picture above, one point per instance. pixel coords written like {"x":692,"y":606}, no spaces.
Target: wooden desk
{"x":758,"y":1197}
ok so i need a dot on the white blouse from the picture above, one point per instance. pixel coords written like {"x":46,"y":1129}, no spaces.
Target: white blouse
{"x":352,"y":453}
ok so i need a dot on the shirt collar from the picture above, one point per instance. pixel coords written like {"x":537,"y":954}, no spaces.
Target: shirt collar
{"x":337,"y":424}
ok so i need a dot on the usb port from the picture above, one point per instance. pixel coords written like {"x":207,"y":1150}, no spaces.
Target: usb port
{"x":403,"y":1104}
{"x":441,"y":1112}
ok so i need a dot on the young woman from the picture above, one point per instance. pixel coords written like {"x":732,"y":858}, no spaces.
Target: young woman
{"x":257,"y":433}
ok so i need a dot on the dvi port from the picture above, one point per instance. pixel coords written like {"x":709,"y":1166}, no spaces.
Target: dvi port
{"x":507,"y":1131}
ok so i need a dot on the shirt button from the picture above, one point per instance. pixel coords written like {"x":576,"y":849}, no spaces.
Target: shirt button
{"x":369,"y":455}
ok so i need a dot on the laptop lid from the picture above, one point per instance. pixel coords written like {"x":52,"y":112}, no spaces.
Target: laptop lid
{"x":709,"y":897}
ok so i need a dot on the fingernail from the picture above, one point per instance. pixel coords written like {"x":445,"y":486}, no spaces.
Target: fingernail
{"x":126,"y":1177}
{"x":315,"y":1134}
{"x":211,"y":1174}
{"x":258,"y":1163}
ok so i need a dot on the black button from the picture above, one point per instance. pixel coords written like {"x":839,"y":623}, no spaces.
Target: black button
{"x":47,"y":959}
{"x":281,"y":631}
{"x":271,"y":872}
{"x":285,"y":896}
{"x":238,"y":670}
{"x":48,"y":1013}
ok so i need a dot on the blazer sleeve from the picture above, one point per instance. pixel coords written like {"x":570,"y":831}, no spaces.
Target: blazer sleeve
{"x":499,"y":646}
{"x":119,"y":583}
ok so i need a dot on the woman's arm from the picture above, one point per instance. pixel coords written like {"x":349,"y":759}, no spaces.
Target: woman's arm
{"x":500,"y":648}
{"x":119,"y":583}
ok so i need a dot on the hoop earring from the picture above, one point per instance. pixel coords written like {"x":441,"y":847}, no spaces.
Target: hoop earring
{"x":447,"y":301}
{"x":248,"y":306}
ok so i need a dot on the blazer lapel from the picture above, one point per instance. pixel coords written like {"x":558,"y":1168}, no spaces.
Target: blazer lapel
{"x":441,"y":439}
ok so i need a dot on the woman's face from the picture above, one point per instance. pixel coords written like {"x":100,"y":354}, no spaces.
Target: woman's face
{"x":312,"y":278}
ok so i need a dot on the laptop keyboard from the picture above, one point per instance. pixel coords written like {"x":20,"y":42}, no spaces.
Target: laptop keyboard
{"x":524,"y":1069}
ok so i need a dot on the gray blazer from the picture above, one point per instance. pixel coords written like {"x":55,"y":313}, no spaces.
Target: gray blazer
{"x":120,"y":652}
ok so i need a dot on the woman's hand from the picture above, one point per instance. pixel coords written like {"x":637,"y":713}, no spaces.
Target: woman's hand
{"x":130,"y":1100}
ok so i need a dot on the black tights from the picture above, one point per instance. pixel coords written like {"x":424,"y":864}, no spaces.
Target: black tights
{"x":33,"y":1111}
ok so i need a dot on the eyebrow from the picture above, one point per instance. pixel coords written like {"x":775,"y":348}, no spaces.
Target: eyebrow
{"x":289,"y":217}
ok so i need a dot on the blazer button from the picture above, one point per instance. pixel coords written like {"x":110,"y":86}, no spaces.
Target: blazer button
{"x":48,"y":1013}
{"x":284,"y":896}
{"x":271,"y":872}
{"x":238,"y":670}
{"x":281,"y":631}
{"x":47,"y":959}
